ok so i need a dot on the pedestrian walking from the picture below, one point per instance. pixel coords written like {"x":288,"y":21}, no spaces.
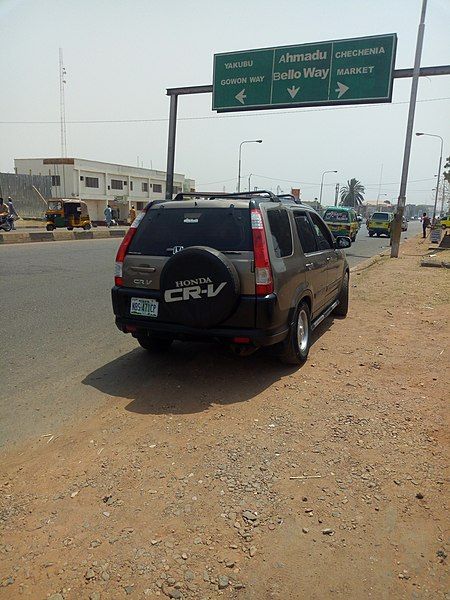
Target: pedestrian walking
{"x":132,"y":214}
{"x":12,"y":212}
{"x":108,"y":215}
{"x":425,"y":223}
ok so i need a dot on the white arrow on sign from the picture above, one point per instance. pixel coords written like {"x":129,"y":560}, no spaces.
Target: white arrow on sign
{"x":293,"y":91}
{"x":341,"y":88}
{"x":241,"y":96}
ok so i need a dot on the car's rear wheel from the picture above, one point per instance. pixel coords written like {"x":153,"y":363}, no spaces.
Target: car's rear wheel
{"x":295,"y":349}
{"x":341,"y":309}
{"x":370,"y":233}
{"x":154,"y":344}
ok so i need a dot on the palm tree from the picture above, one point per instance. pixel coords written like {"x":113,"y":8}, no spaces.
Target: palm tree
{"x":352,"y":194}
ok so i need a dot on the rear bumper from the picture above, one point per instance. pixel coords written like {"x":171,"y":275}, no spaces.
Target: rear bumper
{"x":340,"y":232}
{"x":384,"y":230}
{"x":251,"y":309}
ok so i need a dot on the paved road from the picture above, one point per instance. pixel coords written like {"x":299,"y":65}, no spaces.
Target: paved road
{"x":59,"y":330}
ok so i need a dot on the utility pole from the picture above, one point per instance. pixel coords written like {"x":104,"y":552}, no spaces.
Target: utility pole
{"x":443,"y":195}
{"x":336,"y":194}
{"x":396,"y":228}
{"x":62,"y":104}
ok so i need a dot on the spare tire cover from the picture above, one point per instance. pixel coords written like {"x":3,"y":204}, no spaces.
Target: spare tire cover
{"x":200,"y":287}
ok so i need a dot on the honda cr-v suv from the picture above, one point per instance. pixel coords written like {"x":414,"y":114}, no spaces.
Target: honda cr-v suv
{"x":250,"y":269}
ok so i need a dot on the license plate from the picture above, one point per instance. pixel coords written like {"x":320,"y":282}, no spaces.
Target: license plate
{"x":144,"y":307}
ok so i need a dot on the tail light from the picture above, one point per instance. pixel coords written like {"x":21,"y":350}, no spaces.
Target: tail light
{"x":263,"y":271}
{"x":123,"y":249}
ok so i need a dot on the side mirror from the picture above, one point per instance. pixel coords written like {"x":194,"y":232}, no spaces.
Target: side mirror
{"x":342,"y":241}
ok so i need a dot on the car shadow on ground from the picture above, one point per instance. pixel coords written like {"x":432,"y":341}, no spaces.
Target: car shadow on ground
{"x":190,"y":377}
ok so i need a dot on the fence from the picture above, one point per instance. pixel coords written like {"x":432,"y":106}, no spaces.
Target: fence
{"x":26,"y":200}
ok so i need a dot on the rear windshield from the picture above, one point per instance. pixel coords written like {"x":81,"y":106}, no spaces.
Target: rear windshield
{"x":164,"y":229}
{"x":336,"y":216}
{"x":380,"y":216}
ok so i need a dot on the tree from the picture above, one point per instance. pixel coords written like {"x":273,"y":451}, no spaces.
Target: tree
{"x":447,"y":173}
{"x":352,"y":194}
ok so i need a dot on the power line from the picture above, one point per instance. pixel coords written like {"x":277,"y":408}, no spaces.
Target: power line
{"x":369,"y":185}
{"x":216,"y":117}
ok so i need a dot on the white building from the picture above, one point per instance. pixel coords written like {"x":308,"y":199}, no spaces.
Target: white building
{"x":99,"y":183}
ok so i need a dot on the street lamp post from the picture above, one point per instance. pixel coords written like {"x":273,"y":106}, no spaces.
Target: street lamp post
{"x":321,"y":185}
{"x":240,"y":153}
{"x":438,"y":173}
{"x":249,"y":180}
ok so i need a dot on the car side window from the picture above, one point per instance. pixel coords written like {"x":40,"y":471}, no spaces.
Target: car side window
{"x":324,"y":237}
{"x":305,"y":232}
{"x":280,"y":229}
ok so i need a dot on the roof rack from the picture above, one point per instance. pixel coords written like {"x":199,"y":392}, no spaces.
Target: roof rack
{"x":266,"y":194}
{"x":220,"y":195}
{"x":290,"y":197}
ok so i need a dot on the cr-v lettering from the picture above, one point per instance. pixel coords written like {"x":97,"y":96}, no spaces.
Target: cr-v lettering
{"x":194,"y":291}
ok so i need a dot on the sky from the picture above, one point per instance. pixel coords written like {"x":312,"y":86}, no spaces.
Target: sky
{"x":120,"y":56}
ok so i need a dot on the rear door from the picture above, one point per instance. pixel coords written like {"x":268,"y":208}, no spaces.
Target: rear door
{"x":316,"y":262}
{"x":333,"y":258}
{"x":165,"y":231}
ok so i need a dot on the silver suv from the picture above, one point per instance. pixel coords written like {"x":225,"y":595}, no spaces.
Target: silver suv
{"x":249,"y":269}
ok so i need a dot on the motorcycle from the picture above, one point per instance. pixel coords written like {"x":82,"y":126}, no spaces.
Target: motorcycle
{"x":6,"y":223}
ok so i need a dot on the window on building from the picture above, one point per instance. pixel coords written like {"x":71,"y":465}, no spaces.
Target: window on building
{"x":56,"y":180}
{"x":116,"y":184}
{"x":281,"y":232}
{"x":145,"y":186}
{"x":157,"y":188}
{"x":131,"y":186}
{"x":92,"y":182}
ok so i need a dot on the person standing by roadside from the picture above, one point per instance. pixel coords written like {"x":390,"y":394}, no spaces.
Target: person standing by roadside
{"x":108,"y":215}
{"x":132,"y":214}
{"x":12,"y":212}
{"x":425,"y":223}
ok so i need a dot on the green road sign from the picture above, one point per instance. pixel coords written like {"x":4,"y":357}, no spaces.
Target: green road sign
{"x":350,"y":71}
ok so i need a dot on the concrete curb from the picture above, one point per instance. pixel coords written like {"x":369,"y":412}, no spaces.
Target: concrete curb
{"x":435,"y":263}
{"x":59,"y":236}
{"x":365,"y":264}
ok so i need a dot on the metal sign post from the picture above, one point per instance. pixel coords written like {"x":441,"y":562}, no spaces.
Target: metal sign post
{"x":396,"y":229}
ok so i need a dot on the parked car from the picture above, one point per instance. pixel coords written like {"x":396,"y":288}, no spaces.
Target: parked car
{"x":250,"y":270}
{"x":342,"y":221}
{"x":444,"y":221}
{"x":404,"y":224}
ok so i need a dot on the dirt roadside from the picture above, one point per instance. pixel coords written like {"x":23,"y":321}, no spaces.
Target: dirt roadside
{"x":183,"y":488}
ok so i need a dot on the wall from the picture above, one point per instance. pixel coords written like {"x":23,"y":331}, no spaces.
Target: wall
{"x":27,"y":201}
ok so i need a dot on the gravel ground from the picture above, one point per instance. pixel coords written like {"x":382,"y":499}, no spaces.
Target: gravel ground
{"x":213,"y":476}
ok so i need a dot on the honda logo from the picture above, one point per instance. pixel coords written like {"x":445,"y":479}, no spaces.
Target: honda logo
{"x":176,"y":249}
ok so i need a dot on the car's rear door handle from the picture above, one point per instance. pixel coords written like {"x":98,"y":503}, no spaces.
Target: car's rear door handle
{"x":144,"y":269}
{"x":309,"y":266}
